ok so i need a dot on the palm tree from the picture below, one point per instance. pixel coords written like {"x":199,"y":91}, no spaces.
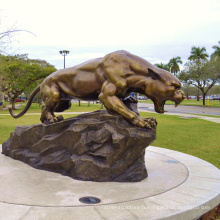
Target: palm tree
{"x":162,"y":66}
{"x":198,"y":53}
{"x":217,"y":50}
{"x":174,"y":65}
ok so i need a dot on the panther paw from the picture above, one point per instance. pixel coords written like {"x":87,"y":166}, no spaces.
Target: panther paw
{"x":150,"y":122}
{"x":60,"y":118}
{"x":54,"y":120}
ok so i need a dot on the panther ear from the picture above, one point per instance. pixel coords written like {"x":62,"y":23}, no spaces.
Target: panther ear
{"x":154,"y":74}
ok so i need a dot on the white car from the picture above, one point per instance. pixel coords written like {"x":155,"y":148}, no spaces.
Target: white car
{"x":141,"y":97}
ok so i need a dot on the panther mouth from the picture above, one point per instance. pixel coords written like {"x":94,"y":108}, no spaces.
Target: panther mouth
{"x":159,"y":106}
{"x":177,"y":98}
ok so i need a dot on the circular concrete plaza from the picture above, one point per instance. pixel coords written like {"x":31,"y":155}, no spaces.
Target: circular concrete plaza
{"x":179,"y":186}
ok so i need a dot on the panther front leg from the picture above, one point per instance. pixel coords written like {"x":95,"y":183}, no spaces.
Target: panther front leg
{"x":113,"y":103}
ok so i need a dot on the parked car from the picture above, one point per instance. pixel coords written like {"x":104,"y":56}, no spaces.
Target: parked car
{"x":192,"y":96}
{"x":187,"y":97}
{"x":141,"y":97}
{"x":20,"y":100}
{"x":207,"y":97}
{"x":215,"y":97}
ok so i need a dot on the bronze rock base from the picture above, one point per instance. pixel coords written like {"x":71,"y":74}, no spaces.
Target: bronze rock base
{"x":96,"y":146}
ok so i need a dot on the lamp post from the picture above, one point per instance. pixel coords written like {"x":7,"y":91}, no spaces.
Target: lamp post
{"x":64,"y":53}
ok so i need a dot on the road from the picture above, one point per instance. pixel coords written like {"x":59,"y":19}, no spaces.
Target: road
{"x":182,"y":109}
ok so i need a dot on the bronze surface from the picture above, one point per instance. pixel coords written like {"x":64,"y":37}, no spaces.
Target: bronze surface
{"x":109,"y":79}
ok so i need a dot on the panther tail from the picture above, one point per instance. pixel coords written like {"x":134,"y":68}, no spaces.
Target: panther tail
{"x":36,"y":90}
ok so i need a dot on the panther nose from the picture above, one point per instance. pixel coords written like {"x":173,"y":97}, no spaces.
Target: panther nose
{"x":180,"y":95}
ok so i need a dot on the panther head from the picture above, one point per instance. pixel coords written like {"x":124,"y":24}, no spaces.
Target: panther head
{"x":162,"y":86}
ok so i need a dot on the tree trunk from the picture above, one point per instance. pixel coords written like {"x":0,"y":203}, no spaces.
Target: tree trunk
{"x":12,"y":100}
{"x":204,"y":94}
{"x":79,"y":102}
{"x":1,"y":100}
{"x":40,"y":102}
{"x":198,"y":96}
{"x":13,"y":104}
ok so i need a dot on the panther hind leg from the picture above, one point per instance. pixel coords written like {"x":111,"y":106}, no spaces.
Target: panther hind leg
{"x":53,"y":98}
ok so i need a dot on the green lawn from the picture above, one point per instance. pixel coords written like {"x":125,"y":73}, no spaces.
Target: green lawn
{"x":35,"y":108}
{"x":194,"y":136}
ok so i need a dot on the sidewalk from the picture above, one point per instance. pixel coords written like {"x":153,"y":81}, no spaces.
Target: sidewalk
{"x":179,"y":186}
{"x":183,"y":115}
{"x":188,"y":116}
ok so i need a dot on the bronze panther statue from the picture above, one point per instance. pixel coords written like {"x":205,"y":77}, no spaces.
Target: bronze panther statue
{"x":109,"y":79}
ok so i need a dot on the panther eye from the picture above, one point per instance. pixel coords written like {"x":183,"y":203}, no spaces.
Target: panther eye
{"x":176,"y":85}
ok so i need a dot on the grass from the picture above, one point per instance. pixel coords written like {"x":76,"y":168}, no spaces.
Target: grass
{"x":193,"y":102}
{"x":194,"y":136}
{"x":35,"y":108}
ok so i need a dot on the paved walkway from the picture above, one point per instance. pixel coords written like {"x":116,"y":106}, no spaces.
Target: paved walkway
{"x":186,"y":116}
{"x":178,"y":186}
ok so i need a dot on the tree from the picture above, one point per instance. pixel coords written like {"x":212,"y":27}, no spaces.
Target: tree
{"x":215,"y":90}
{"x":203,"y":74}
{"x":163,"y":66}
{"x":174,"y":65}
{"x":7,"y":35}
{"x":217,"y":50}
{"x":189,"y":90}
{"x":18,"y":74}
{"x":198,"y":53}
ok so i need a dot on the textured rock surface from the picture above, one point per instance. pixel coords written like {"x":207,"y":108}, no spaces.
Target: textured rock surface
{"x":95,"y":146}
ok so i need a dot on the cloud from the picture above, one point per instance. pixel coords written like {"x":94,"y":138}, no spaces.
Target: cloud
{"x":158,"y":30}
{"x":100,"y":23}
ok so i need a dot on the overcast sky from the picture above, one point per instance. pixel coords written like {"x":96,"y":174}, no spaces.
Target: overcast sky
{"x":156,"y":30}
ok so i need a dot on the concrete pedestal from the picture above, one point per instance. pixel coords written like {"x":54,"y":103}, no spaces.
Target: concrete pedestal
{"x":179,"y":186}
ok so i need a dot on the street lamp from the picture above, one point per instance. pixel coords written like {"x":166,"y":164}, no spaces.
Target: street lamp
{"x":64,"y":53}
